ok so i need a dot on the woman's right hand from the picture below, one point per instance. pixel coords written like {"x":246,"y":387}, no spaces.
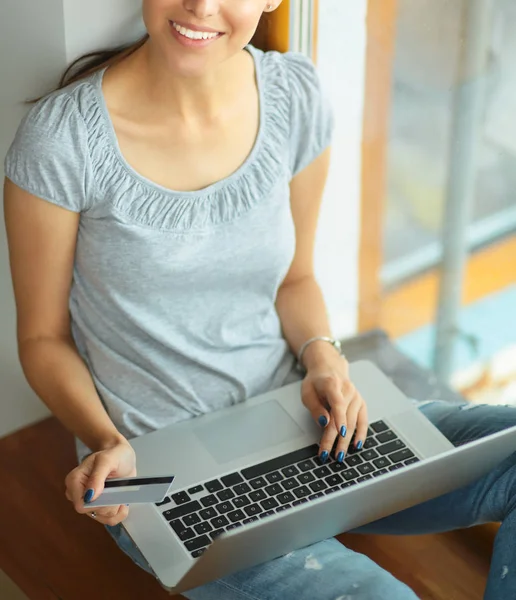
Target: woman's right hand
{"x":116,"y":461}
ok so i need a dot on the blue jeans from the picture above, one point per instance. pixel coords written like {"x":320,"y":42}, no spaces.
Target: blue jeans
{"x":330,"y":571}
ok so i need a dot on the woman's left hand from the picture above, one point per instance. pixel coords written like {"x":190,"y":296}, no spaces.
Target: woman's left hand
{"x":335,"y":404}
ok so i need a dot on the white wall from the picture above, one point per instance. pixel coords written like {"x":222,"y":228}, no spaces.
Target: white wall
{"x":39,"y":37}
{"x":341,"y":64}
{"x":32,"y":52}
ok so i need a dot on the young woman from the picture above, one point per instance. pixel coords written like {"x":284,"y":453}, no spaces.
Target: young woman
{"x":161,"y":209}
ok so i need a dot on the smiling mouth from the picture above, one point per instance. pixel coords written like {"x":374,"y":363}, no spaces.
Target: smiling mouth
{"x":195,"y":35}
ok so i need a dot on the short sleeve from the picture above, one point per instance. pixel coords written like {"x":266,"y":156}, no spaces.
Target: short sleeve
{"x":49,"y":155}
{"x":311,"y":115}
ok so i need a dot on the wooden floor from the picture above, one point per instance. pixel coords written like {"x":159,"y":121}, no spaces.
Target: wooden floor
{"x":52,"y":553}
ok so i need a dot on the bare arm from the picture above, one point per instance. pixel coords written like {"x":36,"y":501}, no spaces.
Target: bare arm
{"x":41,"y":239}
{"x":300,"y":303}
{"x":302,"y":311}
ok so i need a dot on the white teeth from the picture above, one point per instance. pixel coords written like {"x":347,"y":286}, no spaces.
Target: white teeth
{"x":194,"y":35}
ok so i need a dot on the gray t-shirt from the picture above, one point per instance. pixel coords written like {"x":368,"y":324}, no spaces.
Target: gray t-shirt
{"x":173,"y":296}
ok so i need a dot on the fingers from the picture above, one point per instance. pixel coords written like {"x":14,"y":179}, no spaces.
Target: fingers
{"x":339,"y":426}
{"x":86,"y":482}
{"x":345,"y":417}
{"x":343,"y":443}
{"x":311,"y":400}
{"x":362,"y":425}
{"x":110,"y":515}
{"x":99,"y":473}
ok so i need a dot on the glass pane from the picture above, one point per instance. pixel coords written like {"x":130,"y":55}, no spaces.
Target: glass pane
{"x":452,"y":159}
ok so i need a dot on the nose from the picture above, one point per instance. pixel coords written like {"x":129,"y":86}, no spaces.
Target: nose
{"x":202,"y":9}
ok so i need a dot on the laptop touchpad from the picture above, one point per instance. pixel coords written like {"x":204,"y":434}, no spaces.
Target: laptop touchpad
{"x":243,"y":432}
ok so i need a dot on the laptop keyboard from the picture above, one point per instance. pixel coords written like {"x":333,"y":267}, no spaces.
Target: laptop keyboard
{"x":201,"y":513}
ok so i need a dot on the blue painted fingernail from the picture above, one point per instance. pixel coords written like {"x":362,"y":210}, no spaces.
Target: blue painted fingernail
{"x":359,"y":445}
{"x":89,"y":495}
{"x":323,"y":421}
{"x":324,"y":456}
{"x":340,"y":457}
{"x":343,"y":431}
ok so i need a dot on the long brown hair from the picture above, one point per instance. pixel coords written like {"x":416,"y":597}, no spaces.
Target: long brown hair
{"x":90,"y":63}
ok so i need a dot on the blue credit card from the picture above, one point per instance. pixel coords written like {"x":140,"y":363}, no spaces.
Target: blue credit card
{"x":133,"y":490}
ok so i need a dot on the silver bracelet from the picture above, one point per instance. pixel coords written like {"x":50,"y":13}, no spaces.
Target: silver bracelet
{"x":335,"y":343}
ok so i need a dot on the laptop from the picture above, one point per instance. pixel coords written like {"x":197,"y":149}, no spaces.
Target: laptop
{"x":249,"y":486}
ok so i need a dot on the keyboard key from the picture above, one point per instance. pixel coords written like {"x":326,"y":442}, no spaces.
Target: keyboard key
{"x":250,"y":520}
{"x":208,"y":513}
{"x":331,"y":490}
{"x":288,"y":484}
{"x":253,"y":509}
{"x":213,"y":486}
{"x":369,"y":454}
{"x":301,"y":492}
{"x":282,"y":508}
{"x":243,"y":488}
{"x":274,"y":477}
{"x":412,"y":460}
{"x":216,"y":533}
{"x":370,"y":443}
{"x":353,"y":461}
{"x":267,"y":513}
{"x":225,"y":495}
{"x":196,"y":489}
{"x":396,"y":467}
{"x":317,"y":495}
{"x":224,"y":507}
{"x":192,"y":519}
{"x":306,"y":478}
{"x":390,"y":447}
{"x":219,"y":522}
{"x":236,"y":515}
{"x":350,"y":474}
{"x":269,"y":503}
{"x":380,"y":472}
{"x":257,"y":483}
{"x":364,"y":478}
{"x":348,"y":483}
{"x":166,"y":500}
{"x":365,"y":468}
{"x":209,"y":500}
{"x":370,"y":432}
{"x":233,"y":479}
{"x":337,"y":466}
{"x":184,"y":533}
{"x":306,"y":465}
{"x":258,"y":495}
{"x":381,"y":462}
{"x":300,"y":501}
{"x":290,"y":471}
{"x":234,"y":525}
{"x":198,"y":553}
{"x":387,"y":436}
{"x":181,"y":498}
{"x":197,"y":543}
{"x":285,"y":497}
{"x":280,"y":462}
{"x":333,"y":480}
{"x":404,"y":454}
{"x":182,"y":511}
{"x":203,"y":528}
{"x":379,"y":426}
{"x":274,"y":489}
{"x":322,"y":472}
{"x":241,"y":501}
{"x":317,"y":486}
